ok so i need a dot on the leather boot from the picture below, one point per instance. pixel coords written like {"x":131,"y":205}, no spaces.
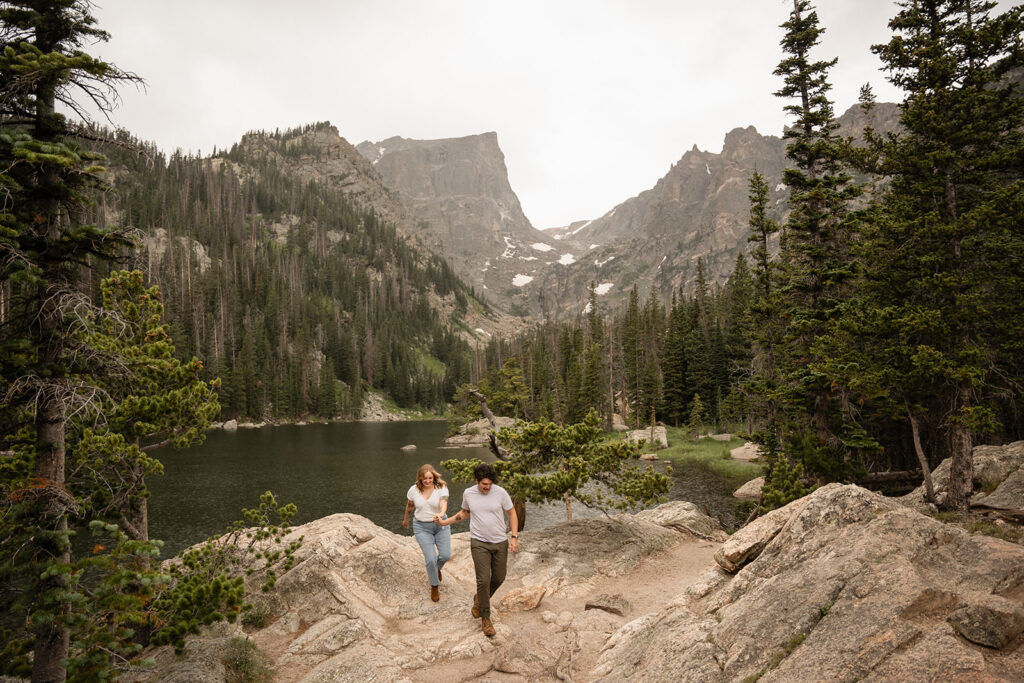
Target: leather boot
{"x":476,"y":607}
{"x":488,"y":627}
{"x":435,"y":594}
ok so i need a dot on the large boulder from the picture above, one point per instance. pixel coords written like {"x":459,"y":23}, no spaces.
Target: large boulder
{"x":750,"y":491}
{"x":656,"y":437}
{"x":475,"y":433}
{"x":747,"y":452}
{"x":842,"y":584}
{"x":998,"y":478}
{"x":686,"y":517}
{"x":569,"y":558}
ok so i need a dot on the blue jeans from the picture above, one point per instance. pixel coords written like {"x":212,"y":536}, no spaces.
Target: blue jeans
{"x":429,"y":535}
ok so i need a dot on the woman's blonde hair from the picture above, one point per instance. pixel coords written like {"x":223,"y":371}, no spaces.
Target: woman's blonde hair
{"x":438,"y":481}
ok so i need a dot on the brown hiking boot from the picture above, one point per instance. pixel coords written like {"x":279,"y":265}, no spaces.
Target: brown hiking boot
{"x":488,"y":627}
{"x":476,"y":607}
{"x":435,"y":595}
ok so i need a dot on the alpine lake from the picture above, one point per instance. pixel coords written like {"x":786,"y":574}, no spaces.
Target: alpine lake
{"x":356,"y":467}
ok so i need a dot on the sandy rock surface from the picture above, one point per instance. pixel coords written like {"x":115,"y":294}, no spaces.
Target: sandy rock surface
{"x":356,"y":605}
{"x":843,"y":584}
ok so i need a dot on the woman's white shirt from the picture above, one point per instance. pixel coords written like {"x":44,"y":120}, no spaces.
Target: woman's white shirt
{"x":427,"y":507}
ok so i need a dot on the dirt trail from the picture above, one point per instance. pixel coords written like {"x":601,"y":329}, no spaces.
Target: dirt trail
{"x":655,"y":582}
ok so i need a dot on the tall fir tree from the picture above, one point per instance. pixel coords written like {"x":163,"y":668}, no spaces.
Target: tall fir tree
{"x":815,"y":250}
{"x":944,"y":311}
{"x":47,"y":178}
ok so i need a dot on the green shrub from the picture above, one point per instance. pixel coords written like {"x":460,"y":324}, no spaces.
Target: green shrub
{"x":245,"y":663}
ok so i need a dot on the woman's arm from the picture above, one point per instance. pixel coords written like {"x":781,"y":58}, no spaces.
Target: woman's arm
{"x":409,"y":505}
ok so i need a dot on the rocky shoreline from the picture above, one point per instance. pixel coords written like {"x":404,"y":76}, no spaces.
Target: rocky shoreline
{"x":373,"y":411}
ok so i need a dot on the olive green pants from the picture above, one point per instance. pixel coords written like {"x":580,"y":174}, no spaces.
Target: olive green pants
{"x":490,"y":561}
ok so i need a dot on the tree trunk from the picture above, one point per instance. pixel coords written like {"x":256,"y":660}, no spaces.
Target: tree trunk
{"x":568,"y":507}
{"x":520,"y":506}
{"x":929,"y":490}
{"x":961,"y":471}
{"x":52,"y":640}
{"x":136,"y":515}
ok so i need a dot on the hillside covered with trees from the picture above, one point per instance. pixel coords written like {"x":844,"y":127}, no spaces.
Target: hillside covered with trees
{"x":296,"y":298}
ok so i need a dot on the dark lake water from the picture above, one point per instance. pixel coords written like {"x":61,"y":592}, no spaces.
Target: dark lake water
{"x":339,"y":467}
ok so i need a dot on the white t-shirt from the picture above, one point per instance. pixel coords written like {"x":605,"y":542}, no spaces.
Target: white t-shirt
{"x":486,"y":513}
{"x":426,"y":508}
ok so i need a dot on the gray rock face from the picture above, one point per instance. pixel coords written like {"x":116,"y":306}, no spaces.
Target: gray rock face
{"x":458,"y":192}
{"x":700,"y":208}
{"x":338,"y":164}
{"x":843,"y":584}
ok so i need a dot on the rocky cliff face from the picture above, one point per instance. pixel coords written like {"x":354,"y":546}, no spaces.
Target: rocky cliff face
{"x":454,"y":196}
{"x":462,"y":204}
{"x":321,"y":154}
{"x":699,"y":209}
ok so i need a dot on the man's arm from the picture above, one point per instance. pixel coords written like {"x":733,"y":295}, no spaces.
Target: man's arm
{"x":459,"y":516}
{"x":513,"y":539}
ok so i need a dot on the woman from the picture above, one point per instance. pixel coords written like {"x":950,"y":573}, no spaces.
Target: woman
{"x":429,"y":497}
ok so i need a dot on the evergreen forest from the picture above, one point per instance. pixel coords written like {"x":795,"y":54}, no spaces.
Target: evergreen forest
{"x":293,"y":296}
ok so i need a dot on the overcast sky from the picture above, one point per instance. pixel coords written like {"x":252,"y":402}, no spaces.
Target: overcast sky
{"x":592,"y":100}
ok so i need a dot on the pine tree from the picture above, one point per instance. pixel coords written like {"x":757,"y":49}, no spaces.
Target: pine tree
{"x":944,"y":310}
{"x":815,"y":246}
{"x":698,"y":417}
{"x":676,"y":392}
{"x":549,"y":463}
{"x":153,"y":400}
{"x":594,"y":392}
{"x":47,"y":178}
{"x":632,"y":357}
{"x":760,"y":384}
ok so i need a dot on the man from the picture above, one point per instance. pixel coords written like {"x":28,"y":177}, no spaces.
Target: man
{"x":486,"y":505}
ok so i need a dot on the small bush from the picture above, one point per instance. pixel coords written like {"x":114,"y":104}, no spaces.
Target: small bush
{"x":257,"y":616}
{"x":245,"y":663}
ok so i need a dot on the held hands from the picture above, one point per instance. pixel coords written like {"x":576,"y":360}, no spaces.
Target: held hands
{"x":513,"y":544}
{"x":439,"y":519}
{"x":405,"y":522}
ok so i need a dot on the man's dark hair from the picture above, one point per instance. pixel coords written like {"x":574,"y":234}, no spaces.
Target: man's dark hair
{"x":485,"y":471}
